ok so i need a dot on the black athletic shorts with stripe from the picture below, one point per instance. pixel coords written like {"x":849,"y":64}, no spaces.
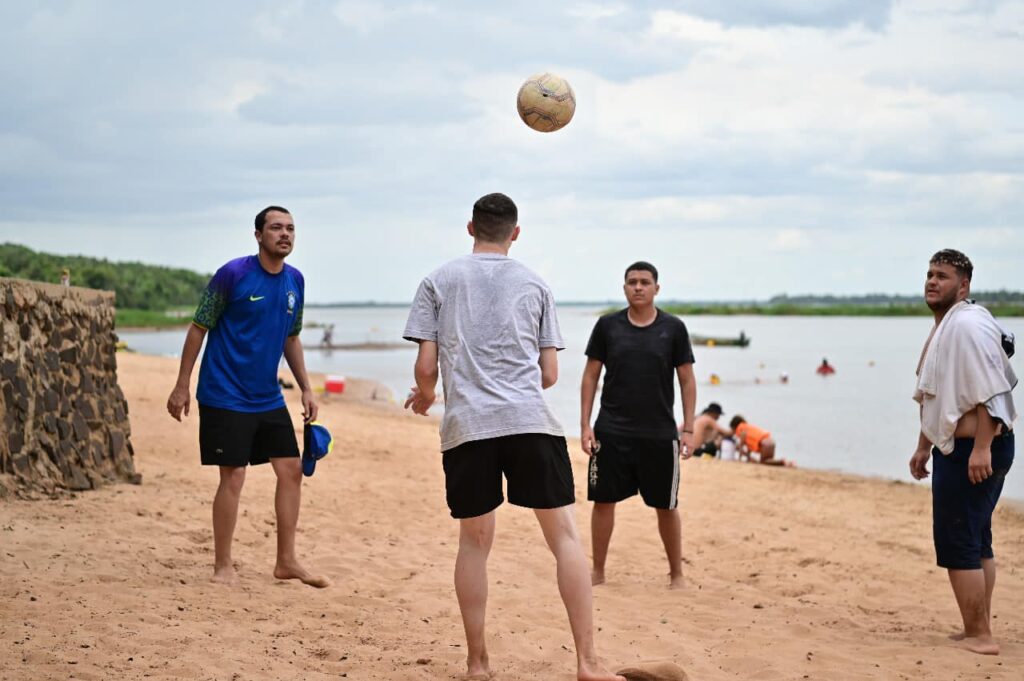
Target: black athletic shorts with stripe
{"x":535,"y":465}
{"x":624,"y":466}
{"x":239,"y":438}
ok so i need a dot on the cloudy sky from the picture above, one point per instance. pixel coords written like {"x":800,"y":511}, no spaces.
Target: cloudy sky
{"x":747,"y":148}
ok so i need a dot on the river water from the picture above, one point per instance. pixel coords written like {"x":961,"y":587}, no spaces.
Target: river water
{"x":859,"y":420}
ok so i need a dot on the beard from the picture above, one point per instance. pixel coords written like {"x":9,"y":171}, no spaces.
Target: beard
{"x":942,"y":304}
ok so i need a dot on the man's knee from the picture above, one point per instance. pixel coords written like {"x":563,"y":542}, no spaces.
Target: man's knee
{"x":288,"y":470}
{"x":476,"y":535}
{"x":232,"y":478}
{"x":667,"y":514}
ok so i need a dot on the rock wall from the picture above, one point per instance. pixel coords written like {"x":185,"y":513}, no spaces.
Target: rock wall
{"x":63,"y":417}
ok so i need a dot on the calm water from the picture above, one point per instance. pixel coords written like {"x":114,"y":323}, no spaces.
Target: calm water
{"x":859,"y":420}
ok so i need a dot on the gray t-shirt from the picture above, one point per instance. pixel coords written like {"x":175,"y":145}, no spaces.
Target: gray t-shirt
{"x":490,"y":316}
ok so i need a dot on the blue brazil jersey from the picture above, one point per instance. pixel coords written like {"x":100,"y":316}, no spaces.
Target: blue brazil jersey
{"x":249,"y":314}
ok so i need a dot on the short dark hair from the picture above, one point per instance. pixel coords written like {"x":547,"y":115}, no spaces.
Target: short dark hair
{"x":736,"y":421}
{"x":642,"y":266}
{"x":261,"y":217}
{"x":713,"y":408}
{"x":495,"y":217}
{"x":956,"y":259}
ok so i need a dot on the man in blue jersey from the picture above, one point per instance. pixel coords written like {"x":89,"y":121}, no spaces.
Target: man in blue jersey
{"x":252,"y":311}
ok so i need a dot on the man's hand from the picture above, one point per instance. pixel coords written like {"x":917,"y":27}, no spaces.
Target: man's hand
{"x":919,"y":463}
{"x":178,"y":402}
{"x":420,"y":401}
{"x":686,"y":445}
{"x":979,"y":466}
{"x":588,"y":441}
{"x":309,"y":406}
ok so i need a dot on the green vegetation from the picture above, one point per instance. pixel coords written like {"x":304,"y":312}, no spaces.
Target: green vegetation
{"x":128,"y":317}
{"x":836,"y":310}
{"x":138,"y":286}
{"x":999,"y":303}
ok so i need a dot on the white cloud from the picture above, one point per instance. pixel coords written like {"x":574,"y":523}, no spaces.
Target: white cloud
{"x":790,"y":240}
{"x":365,"y":16}
{"x":754,"y":129}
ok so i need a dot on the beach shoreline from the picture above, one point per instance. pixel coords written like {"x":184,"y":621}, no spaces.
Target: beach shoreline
{"x":791,"y":573}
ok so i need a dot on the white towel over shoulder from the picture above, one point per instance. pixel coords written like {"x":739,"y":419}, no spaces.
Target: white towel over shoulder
{"x":963,"y":366}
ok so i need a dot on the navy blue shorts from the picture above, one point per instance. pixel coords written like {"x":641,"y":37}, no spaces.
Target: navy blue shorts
{"x":962,"y":512}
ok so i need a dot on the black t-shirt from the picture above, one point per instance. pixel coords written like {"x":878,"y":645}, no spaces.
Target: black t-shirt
{"x":640,"y":370}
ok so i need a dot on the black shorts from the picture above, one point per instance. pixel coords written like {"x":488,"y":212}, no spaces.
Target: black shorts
{"x":536,"y":466}
{"x":238,"y":438}
{"x":961,"y":511}
{"x":625,"y":465}
{"x":707,"y":449}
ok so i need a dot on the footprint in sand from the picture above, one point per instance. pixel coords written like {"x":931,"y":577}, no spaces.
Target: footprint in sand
{"x":654,"y":671}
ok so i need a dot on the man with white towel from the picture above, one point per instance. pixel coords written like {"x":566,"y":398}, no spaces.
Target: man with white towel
{"x":964,"y":384}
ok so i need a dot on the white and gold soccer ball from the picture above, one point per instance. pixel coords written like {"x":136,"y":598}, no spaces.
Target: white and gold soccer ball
{"x":546,"y":102}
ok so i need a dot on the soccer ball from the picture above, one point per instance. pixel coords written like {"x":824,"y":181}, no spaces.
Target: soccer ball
{"x":546,"y":102}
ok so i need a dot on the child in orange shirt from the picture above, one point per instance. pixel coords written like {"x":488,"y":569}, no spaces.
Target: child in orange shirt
{"x":749,"y":438}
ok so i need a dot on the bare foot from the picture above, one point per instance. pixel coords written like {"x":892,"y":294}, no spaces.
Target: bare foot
{"x":478,"y":670}
{"x":983,"y":645}
{"x":676,"y":582}
{"x":595,"y":672}
{"x":596,"y":577}
{"x":959,"y":636}
{"x":225,"y":576}
{"x":298,"y":572}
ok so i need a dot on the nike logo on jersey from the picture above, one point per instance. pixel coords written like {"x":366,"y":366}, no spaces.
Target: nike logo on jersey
{"x":253,"y":299}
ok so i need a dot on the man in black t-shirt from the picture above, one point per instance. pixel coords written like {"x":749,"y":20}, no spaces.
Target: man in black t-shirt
{"x":634,"y":446}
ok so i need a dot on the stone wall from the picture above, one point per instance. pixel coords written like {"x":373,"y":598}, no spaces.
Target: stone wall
{"x":63,"y":417}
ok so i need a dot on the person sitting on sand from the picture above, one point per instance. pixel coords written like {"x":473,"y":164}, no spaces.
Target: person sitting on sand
{"x":492,"y":325}
{"x":709,"y":432}
{"x":964,"y":387}
{"x":252,"y":311}
{"x":753,"y":440}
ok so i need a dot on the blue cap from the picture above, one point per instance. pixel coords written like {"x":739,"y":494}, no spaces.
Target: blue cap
{"x":317,"y":443}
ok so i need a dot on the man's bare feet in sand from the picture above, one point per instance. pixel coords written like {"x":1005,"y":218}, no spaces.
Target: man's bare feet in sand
{"x":596,"y":577}
{"x":296,"y":571}
{"x":983,"y":645}
{"x":225,"y":576}
{"x":676,"y":581}
{"x":592,"y":671}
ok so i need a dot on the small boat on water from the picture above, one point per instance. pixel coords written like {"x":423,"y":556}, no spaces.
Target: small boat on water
{"x":741,"y":341}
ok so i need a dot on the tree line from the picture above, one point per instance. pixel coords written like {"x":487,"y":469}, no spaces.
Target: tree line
{"x":140,"y":286}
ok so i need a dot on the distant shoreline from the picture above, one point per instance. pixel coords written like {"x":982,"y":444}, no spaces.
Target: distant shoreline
{"x":155,"y":320}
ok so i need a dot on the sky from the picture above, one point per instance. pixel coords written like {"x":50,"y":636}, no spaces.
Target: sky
{"x":746,"y":148}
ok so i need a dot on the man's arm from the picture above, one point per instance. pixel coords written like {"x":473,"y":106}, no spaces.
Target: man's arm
{"x":588,"y":390}
{"x":548,"y":367}
{"x":688,"y":390}
{"x":919,"y":461}
{"x":425,"y":372}
{"x":179,"y":399}
{"x":297,"y":363}
{"x":979,"y":466}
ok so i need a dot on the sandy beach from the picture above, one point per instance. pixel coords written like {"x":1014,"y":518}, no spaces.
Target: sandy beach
{"x":792,"y":574}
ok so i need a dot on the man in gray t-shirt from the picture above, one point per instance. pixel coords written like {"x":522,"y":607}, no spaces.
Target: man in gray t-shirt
{"x":491,"y":324}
